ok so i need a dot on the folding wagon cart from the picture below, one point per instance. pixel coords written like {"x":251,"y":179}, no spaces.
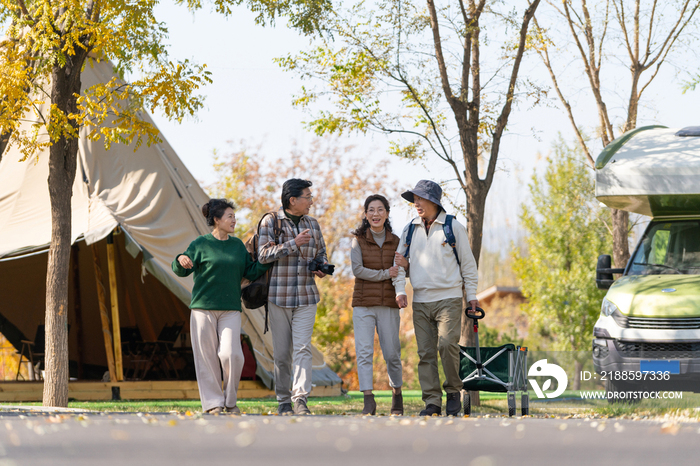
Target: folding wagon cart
{"x":504,"y":369}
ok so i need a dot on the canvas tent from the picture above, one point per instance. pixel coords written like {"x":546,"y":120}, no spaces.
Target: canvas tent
{"x":652,"y":170}
{"x":153,"y":202}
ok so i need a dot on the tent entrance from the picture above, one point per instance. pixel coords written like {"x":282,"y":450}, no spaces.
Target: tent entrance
{"x":144,"y":304}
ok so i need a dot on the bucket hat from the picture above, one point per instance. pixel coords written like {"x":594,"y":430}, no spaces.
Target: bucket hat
{"x":426,"y":189}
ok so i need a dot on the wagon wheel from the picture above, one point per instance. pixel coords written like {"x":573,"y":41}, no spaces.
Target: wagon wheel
{"x":525,"y":404}
{"x":511,"y":404}
{"x":466,"y":402}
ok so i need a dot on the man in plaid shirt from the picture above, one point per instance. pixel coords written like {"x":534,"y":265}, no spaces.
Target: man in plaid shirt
{"x":293,"y":295}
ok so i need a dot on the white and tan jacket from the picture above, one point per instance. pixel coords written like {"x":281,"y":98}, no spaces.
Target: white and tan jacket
{"x":435,"y":274}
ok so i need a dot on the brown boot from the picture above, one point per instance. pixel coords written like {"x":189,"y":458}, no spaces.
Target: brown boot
{"x":397,"y":404}
{"x":370,"y":405}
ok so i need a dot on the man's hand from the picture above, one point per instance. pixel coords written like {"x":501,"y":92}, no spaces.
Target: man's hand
{"x":402,"y":301}
{"x":400,"y":260}
{"x":185,"y":262}
{"x":394,"y":271}
{"x":474,"y":303}
{"x":303,"y":238}
{"x":318,"y":273}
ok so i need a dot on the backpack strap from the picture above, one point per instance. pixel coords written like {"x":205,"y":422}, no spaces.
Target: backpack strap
{"x":278,"y":227}
{"x":277,"y":232}
{"x":450,"y":235}
{"x":409,"y":238}
{"x":447,"y":230}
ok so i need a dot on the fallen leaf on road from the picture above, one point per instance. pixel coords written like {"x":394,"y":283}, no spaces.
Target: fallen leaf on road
{"x":120,"y":435}
{"x":670,"y":428}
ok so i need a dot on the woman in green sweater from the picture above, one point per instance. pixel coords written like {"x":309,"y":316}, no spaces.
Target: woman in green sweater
{"x":219,"y":262}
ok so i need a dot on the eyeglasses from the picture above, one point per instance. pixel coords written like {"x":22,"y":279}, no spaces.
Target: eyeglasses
{"x":379,"y":211}
{"x":308,"y":198}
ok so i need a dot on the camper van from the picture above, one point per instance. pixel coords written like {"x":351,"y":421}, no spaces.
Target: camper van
{"x":648,"y":332}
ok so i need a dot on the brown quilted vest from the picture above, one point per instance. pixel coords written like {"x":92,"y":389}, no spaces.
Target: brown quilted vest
{"x":382,"y":293}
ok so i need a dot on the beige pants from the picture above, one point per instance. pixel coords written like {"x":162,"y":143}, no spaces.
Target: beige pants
{"x":437,"y":326}
{"x":291,"y":342}
{"x":216,"y":345}
{"x":387,"y":321}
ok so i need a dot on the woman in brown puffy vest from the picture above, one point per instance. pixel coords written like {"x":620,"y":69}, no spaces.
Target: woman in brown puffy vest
{"x":374,"y":301}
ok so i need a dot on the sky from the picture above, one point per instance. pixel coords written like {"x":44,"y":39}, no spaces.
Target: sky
{"x":251,"y":100}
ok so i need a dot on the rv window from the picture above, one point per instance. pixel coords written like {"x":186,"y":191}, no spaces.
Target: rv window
{"x":668,"y":248}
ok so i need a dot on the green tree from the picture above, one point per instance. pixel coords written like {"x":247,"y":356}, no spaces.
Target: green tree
{"x":45,"y":47}
{"x":440,"y":80}
{"x":566,"y":231}
{"x":642,"y":36}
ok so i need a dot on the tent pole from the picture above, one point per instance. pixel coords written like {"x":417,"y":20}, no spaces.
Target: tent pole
{"x":103,"y":313}
{"x":114,"y":299}
{"x":77,"y":303}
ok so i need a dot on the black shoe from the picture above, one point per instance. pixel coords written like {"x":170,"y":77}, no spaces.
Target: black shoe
{"x":370,"y":405}
{"x":453,"y":405}
{"x":431,"y":410}
{"x":397,"y":404}
{"x":285,"y":409}
{"x":300,"y":407}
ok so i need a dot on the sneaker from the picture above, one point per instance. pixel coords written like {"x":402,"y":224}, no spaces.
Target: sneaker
{"x":431,"y":410}
{"x":300,"y":407}
{"x":217,"y":410}
{"x":285,"y":409}
{"x":234,"y":410}
{"x":453,"y":405}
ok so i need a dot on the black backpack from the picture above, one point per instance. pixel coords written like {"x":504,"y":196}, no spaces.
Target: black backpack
{"x":254,"y":294}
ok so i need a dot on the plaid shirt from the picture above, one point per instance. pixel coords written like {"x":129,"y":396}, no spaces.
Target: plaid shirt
{"x":292,"y":283}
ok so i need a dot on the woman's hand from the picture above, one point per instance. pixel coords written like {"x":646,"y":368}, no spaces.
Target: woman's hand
{"x":400,"y":260}
{"x":394,"y":271}
{"x":185,"y":262}
{"x":402,"y":301}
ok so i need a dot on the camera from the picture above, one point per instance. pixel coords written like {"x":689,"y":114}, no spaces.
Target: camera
{"x":319,"y":265}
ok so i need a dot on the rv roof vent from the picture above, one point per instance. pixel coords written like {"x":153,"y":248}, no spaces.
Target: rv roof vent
{"x":689,"y":131}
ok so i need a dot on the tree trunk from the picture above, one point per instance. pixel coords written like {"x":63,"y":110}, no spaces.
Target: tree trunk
{"x":63,"y":155}
{"x":476,"y":203}
{"x":4,"y":141}
{"x":578,"y":367}
{"x":621,"y":249}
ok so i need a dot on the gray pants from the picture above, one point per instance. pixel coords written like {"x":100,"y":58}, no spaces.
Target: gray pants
{"x":386,"y":320}
{"x":438,"y":327}
{"x":216,"y":345}
{"x":291,"y":342}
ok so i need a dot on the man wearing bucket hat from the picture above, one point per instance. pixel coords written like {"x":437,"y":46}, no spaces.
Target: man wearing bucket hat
{"x":439,"y":270}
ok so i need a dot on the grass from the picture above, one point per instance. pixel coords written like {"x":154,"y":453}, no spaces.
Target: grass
{"x":347,"y":404}
{"x":687,"y":408}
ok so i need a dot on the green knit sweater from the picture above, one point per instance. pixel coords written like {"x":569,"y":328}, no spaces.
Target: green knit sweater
{"x":218,"y":269}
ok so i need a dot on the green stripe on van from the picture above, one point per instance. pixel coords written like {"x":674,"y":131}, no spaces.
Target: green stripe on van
{"x":614,"y":146}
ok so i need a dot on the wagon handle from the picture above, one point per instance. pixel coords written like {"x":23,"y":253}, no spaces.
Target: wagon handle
{"x":474,"y":314}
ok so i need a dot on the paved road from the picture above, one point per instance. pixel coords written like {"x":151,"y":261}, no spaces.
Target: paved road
{"x":169,"y":439}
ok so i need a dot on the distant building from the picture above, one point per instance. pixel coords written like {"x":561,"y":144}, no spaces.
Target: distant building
{"x":503,"y":309}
